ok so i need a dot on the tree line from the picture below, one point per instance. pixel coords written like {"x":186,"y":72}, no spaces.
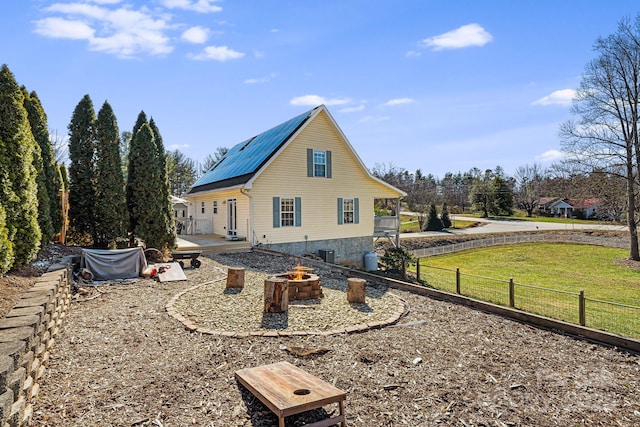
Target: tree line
{"x":30,"y":178}
{"x":109,"y":208}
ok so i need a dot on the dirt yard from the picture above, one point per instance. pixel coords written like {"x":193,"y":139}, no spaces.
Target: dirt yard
{"x":121,"y":360}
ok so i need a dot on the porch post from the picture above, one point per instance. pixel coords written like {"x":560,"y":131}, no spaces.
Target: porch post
{"x":398,"y":222}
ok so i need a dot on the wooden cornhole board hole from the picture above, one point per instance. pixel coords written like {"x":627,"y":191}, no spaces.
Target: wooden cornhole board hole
{"x":287,"y":390}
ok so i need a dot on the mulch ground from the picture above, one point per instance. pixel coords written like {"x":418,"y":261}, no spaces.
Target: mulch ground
{"x":121,"y":360}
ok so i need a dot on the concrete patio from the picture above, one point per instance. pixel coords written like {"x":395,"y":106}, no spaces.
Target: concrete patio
{"x":210,"y":243}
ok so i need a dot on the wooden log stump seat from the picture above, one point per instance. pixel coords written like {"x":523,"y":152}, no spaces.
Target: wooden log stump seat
{"x":235,"y":277}
{"x":276,"y":295}
{"x":356,"y":290}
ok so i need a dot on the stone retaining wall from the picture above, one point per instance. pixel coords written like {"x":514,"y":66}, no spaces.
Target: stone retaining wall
{"x":26,"y":337}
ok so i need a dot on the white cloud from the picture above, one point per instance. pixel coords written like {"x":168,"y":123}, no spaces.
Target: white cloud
{"x":398,"y":101}
{"x":550,"y":156}
{"x":559,"y":97}
{"x":264,"y":79}
{"x":59,"y":28}
{"x":122,"y":31}
{"x":314,"y":100}
{"x":197,"y":35}
{"x":352,"y":109}
{"x":413,"y":54}
{"x":373,"y":119}
{"x":106,"y":1}
{"x":217,"y":53}
{"x":465,"y":36}
{"x":200,"y":6}
{"x":177,"y":147}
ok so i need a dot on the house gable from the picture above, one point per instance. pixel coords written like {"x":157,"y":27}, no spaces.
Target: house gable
{"x":287,"y":176}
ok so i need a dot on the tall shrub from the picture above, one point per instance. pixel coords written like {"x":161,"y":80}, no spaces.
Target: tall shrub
{"x":18,"y":186}
{"x":110,"y":205}
{"x":433,"y":222}
{"x":6,"y":247}
{"x":38,"y":125}
{"x":147,"y":201}
{"x":168,"y":222}
{"x":444,"y":216}
{"x":132,"y":174}
{"x":82,"y":195}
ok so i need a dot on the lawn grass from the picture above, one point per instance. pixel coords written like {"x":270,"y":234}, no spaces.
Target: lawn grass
{"x":548,"y":277}
{"x":409,"y":224}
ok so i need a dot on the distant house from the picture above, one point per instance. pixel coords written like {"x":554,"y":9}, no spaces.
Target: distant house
{"x":583,"y":208}
{"x":297,"y":188}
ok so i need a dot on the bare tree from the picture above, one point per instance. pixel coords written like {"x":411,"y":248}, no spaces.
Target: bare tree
{"x":529,"y":187}
{"x":212,"y":159}
{"x":607,"y":103}
{"x":60,"y":146}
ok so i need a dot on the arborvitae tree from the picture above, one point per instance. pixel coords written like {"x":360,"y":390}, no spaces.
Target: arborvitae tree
{"x":146,"y":201}
{"x":52,"y":177}
{"x":433,"y":222}
{"x":18,"y":188}
{"x":41,"y":136}
{"x":6,"y":247}
{"x":82,"y":195}
{"x":111,"y":211}
{"x":167,"y":210}
{"x":444,"y":216}
{"x":131,"y":176}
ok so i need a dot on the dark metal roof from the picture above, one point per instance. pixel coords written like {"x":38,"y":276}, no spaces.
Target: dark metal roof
{"x":243,"y":160}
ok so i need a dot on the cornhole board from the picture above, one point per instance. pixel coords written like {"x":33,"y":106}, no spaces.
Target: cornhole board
{"x":173,"y":272}
{"x":287,"y":390}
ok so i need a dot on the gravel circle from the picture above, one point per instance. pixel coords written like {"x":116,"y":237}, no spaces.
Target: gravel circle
{"x":212,"y":306}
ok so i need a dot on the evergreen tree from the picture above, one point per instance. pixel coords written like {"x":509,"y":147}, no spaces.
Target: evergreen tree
{"x":49,"y":163}
{"x":82,"y":195}
{"x":168,"y":222}
{"x":444,"y":216}
{"x":64,"y":176}
{"x":503,"y":196}
{"x":433,"y":222}
{"x":6,"y":247}
{"x":181,"y":171}
{"x":18,"y":187}
{"x":131,"y":176}
{"x":110,"y":195}
{"x":146,"y":199}
{"x":37,"y":122}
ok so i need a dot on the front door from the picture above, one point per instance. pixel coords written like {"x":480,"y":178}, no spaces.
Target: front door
{"x":232,"y":221}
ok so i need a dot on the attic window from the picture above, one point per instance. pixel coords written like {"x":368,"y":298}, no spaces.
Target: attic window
{"x":318,"y":163}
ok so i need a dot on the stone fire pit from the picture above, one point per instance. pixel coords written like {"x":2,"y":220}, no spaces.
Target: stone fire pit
{"x":303,"y":284}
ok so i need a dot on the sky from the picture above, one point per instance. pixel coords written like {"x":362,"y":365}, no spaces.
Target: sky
{"x":440,"y":86}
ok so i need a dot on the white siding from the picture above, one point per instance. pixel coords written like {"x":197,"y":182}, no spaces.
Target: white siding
{"x":286,"y":176}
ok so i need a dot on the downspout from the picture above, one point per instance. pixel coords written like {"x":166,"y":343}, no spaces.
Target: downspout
{"x":246,"y":192}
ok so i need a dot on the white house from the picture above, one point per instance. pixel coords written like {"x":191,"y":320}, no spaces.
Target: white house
{"x":297,"y":188}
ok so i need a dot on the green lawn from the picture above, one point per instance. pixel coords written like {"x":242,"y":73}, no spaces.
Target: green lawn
{"x":554,"y":273}
{"x":409,"y":224}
